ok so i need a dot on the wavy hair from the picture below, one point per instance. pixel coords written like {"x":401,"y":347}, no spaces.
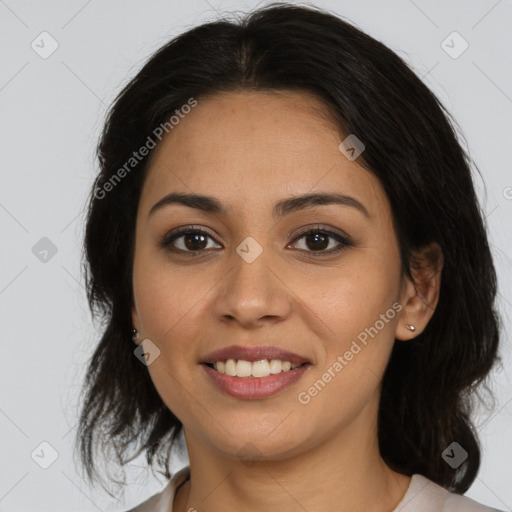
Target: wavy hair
{"x":411,"y":147}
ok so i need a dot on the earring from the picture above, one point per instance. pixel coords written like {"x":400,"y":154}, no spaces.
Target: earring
{"x":411,"y":327}
{"x":135,"y":335}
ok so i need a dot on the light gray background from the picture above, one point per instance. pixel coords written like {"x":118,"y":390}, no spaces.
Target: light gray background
{"x":52,"y":111}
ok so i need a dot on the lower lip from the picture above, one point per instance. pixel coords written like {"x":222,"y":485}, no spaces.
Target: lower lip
{"x":252,"y":388}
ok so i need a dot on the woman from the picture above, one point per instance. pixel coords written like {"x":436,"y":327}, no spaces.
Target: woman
{"x":285,"y":218}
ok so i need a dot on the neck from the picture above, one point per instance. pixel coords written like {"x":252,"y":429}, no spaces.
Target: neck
{"x":345,"y":473}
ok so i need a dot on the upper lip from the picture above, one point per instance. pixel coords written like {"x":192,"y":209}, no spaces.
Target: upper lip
{"x":253,"y":354}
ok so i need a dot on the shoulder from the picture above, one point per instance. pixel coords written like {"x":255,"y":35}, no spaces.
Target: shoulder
{"x":162,"y":501}
{"x":425,"y":495}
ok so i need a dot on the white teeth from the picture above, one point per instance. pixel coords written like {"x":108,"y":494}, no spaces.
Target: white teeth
{"x":262,"y":368}
{"x":231,"y":367}
{"x":243,"y":368}
{"x":286,"y":366}
{"x":275,"y":366}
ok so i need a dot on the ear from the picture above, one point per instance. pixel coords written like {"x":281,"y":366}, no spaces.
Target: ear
{"x":136,"y":324}
{"x":419,"y":298}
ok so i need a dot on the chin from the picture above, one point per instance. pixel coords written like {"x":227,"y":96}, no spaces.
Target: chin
{"x":254,"y":442}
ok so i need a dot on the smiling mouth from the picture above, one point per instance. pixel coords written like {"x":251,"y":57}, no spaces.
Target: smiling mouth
{"x":255,"y":369}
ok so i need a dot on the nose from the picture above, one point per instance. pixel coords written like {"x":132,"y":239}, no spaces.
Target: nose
{"x":254,"y":291}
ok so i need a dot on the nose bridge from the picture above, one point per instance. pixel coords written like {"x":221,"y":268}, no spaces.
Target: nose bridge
{"x":252,"y":289}
{"x":251,"y":275}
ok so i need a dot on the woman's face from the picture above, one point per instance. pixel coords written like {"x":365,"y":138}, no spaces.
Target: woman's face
{"x":254,"y":280}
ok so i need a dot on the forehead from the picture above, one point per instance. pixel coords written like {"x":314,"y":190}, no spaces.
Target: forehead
{"x":258,"y":147}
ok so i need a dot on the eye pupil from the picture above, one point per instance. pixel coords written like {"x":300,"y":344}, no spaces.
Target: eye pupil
{"x":324,"y":242}
{"x":195,"y":237}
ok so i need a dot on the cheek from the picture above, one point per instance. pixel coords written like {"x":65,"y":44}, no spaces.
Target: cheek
{"x":352,"y":298}
{"x":358,"y":309}
{"x":167,"y":295}
{"x":349,"y":375}
{"x":170,"y":302}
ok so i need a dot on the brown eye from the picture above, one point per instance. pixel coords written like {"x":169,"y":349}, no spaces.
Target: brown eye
{"x":187,"y":240}
{"x":318,"y":240}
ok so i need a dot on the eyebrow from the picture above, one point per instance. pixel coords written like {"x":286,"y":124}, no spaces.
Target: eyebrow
{"x":209,"y":204}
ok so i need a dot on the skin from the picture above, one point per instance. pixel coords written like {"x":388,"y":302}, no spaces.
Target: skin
{"x":250,"y":150}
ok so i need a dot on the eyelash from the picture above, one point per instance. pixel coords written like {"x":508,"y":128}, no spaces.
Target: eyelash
{"x":168,"y":239}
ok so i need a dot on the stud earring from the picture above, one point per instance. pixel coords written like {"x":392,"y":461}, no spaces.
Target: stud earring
{"x":135,"y":335}
{"x":411,"y":327}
